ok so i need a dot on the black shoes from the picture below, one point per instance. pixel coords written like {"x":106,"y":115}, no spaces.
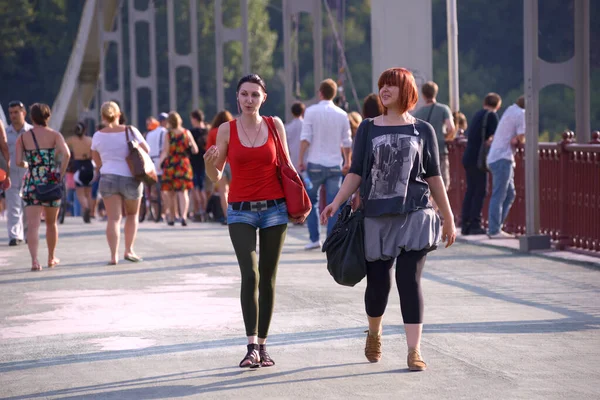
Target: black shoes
{"x":86,"y":216}
{"x":15,"y":242}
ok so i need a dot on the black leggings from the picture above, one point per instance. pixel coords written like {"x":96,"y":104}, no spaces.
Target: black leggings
{"x":258,"y":276}
{"x":409,"y":266}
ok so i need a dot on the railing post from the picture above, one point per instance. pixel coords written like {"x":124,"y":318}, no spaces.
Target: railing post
{"x":563,"y":238}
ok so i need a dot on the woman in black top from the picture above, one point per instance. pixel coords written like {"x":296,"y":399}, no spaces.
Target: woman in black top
{"x":400,"y":222}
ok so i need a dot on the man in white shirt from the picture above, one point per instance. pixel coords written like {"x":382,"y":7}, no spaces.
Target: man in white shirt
{"x":156,"y":139}
{"x":325,"y":137}
{"x":501,"y":163}
{"x":293,"y":131}
{"x":14,"y":203}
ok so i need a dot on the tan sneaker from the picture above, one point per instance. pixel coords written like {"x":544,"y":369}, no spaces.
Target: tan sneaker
{"x":415,"y":361}
{"x":373,"y":347}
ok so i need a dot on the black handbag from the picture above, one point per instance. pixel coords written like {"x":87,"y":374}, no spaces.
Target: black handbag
{"x":345,"y":246}
{"x":484,"y":149}
{"x":47,"y":192}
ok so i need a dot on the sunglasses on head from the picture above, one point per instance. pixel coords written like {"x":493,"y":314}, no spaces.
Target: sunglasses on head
{"x":15,"y":103}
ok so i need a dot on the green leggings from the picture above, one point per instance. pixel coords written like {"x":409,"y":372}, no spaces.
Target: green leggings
{"x":258,"y":277}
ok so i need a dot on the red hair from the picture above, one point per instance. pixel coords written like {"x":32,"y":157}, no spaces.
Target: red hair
{"x":404,"y":79}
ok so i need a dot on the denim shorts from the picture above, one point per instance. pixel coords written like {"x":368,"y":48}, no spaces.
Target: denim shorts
{"x":126,"y":186}
{"x":272,"y":216}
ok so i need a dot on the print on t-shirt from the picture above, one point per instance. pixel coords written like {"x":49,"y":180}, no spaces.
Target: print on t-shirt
{"x":394,"y":156}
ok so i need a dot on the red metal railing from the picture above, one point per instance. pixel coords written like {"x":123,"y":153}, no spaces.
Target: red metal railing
{"x":569,"y":183}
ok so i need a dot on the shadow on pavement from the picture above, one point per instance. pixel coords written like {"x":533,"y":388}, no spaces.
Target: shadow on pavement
{"x":242,"y":379}
{"x":297,"y":338}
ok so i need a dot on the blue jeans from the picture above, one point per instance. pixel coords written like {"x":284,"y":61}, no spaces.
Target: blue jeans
{"x":503,"y":194}
{"x":272,"y":216}
{"x":319,"y":175}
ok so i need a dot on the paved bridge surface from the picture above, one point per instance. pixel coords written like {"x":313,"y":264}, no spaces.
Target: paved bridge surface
{"x":499,"y":325}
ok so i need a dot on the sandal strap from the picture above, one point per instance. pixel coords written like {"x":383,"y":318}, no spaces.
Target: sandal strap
{"x":265,"y":358}
{"x":252,"y":355}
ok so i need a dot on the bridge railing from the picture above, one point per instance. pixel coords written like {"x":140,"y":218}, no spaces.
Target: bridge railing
{"x":569,"y":184}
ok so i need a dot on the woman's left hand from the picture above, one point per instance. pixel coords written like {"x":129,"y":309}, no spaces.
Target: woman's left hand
{"x":448,"y":232}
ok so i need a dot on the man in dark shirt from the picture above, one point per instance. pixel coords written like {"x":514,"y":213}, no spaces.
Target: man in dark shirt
{"x":486,"y":120}
{"x":199,"y":133}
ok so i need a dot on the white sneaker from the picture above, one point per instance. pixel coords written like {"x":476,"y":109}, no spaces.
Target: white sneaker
{"x":501,"y":235}
{"x":313,"y":245}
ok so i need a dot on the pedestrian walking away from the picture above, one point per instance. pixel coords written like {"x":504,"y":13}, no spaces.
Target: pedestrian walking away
{"x":256,"y":201}
{"x":479,"y":134}
{"x":178,"y":176}
{"x":80,"y":146}
{"x":326,"y":141}
{"x":400,"y":225}
{"x":501,"y":161}
{"x":37,"y":150}
{"x":117,"y":186}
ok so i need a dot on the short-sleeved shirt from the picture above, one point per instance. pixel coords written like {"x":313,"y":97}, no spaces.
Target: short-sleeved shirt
{"x":156,"y":139}
{"x":474,"y":134}
{"x":511,"y":124}
{"x":11,"y":138}
{"x":327,"y":128}
{"x":113,"y":151}
{"x":293,"y":131}
{"x":197,"y":160}
{"x":400,"y":159}
{"x":436,"y":114}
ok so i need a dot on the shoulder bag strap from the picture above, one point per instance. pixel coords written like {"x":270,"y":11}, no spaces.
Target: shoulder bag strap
{"x":127,"y":128}
{"x":430,"y":111}
{"x":281,"y":156}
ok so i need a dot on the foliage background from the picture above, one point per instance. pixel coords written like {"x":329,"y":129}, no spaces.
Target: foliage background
{"x":36,"y":37}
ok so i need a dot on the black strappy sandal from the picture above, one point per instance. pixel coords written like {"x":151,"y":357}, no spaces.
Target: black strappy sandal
{"x":265,"y":358}
{"x":253,"y":356}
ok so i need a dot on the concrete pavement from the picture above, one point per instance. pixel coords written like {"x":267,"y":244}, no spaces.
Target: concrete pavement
{"x":498,"y":325}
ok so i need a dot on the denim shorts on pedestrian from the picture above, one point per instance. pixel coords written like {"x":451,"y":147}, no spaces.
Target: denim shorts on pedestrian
{"x":271,"y":216}
{"x":126,"y":186}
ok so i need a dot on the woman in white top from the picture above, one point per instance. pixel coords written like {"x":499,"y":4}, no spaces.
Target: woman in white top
{"x":117,"y":186}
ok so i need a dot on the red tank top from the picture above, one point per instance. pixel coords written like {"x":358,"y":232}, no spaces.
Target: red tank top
{"x":253,"y":169}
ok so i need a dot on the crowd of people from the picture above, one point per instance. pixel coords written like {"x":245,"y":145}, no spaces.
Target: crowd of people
{"x":397,"y":156}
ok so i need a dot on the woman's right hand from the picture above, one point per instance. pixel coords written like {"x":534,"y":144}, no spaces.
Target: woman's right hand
{"x":329,"y":212}
{"x":211,"y":155}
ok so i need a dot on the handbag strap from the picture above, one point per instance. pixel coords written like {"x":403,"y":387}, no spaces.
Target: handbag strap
{"x":278,"y":145}
{"x":430,"y":111}
{"x":127,"y":133}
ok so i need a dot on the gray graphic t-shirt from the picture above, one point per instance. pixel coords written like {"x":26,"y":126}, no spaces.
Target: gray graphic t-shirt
{"x":400,"y":158}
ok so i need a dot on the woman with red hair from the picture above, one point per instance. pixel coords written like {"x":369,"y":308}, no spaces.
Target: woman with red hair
{"x":401,"y":225}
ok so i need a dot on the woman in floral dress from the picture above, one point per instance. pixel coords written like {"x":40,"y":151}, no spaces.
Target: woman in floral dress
{"x":178,"y":176}
{"x":36,"y":150}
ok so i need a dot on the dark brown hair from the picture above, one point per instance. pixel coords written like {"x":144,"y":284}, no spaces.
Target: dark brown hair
{"x":298,"y":109}
{"x":492,"y":100}
{"x":372,"y":106}
{"x":429,"y":90}
{"x":40,"y":113}
{"x":403,"y":79}
{"x":198,"y":115}
{"x":328,"y":89}
{"x":521,"y":102}
{"x":252,"y":78}
{"x":221,"y":118}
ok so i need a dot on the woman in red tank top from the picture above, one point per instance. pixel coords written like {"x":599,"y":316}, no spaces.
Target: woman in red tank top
{"x":256,"y":201}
